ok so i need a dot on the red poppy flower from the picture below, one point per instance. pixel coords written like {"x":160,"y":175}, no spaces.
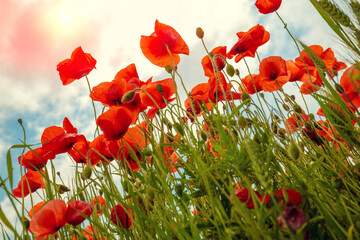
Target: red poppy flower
{"x":59,"y":140}
{"x":115,"y":122}
{"x":267,"y":6}
{"x":156,"y":47}
{"x":296,"y":121}
{"x":273,"y":73}
{"x":250,"y":84}
{"x":295,"y":72}
{"x":220,"y":89}
{"x":36,"y":208}
{"x":106,"y":151}
{"x":167,"y":89}
{"x":294,"y":217}
{"x":219,"y":55}
{"x":79,"y":151}
{"x":91,"y":234}
{"x":35,"y":159}
{"x":49,"y":219}
{"x":293,"y":196}
{"x":248,"y":43}
{"x":199,"y":96}
{"x":76,"y":212}
{"x":31,"y":181}
{"x":112,"y":93}
{"x":311,"y":83}
{"x":244,"y":196}
{"x":350,"y":82}
{"x":120,"y":217}
{"x":79,"y":65}
{"x":99,"y":203}
{"x":327,"y":56}
{"x":134,"y":140}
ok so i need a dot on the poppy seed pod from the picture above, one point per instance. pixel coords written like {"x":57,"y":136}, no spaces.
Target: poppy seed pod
{"x":199,"y":32}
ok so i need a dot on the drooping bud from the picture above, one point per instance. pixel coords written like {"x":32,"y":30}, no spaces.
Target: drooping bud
{"x":63,"y":189}
{"x":25,"y":221}
{"x":242,"y":122}
{"x":86,"y":173}
{"x":203,"y":135}
{"x":160,"y":88}
{"x":339,"y":88}
{"x":199,"y":32}
{"x":230,"y":70}
{"x":298,"y":109}
{"x":179,"y":189}
{"x":168,"y":68}
{"x":147,"y":152}
{"x":294,"y":151}
{"x":245,"y":96}
{"x":286,"y":107}
{"x":128,"y":97}
{"x":178,"y":128}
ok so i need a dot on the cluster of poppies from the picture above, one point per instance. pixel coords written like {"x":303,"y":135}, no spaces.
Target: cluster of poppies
{"x":126,"y":96}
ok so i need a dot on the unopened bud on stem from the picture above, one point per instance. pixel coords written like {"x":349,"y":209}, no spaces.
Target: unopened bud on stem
{"x":199,"y":32}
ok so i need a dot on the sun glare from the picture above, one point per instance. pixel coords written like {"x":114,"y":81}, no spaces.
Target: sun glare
{"x":62,"y":23}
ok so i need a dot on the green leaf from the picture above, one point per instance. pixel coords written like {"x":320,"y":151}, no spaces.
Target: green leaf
{"x":6,"y":222}
{"x":9,"y":167}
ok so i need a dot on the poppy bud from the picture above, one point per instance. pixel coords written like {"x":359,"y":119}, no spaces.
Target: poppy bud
{"x":139,"y":200}
{"x":63,"y":189}
{"x":286,"y":107}
{"x":199,"y":32}
{"x":178,"y":128}
{"x":237,"y":72}
{"x":151,"y":194}
{"x":203,"y":135}
{"x":86,"y":173}
{"x":81,"y":196}
{"x":20,"y":121}
{"x":339,"y":88}
{"x":179,"y":189}
{"x":128,"y":97}
{"x":25,"y":221}
{"x":211,"y":54}
{"x":245,"y":96}
{"x":160,"y":88}
{"x":242,"y":122}
{"x":230,"y":70}
{"x":292,"y":97}
{"x":308,"y":126}
{"x":147,"y":152}
{"x":294,"y":151}
{"x":274,"y":127}
{"x":169,"y":69}
{"x":281,"y":133}
{"x":298,"y":109}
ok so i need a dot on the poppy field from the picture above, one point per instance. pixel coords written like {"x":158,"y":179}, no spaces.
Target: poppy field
{"x":239,"y":157}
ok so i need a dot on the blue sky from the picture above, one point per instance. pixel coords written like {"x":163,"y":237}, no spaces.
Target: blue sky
{"x":36,"y":35}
